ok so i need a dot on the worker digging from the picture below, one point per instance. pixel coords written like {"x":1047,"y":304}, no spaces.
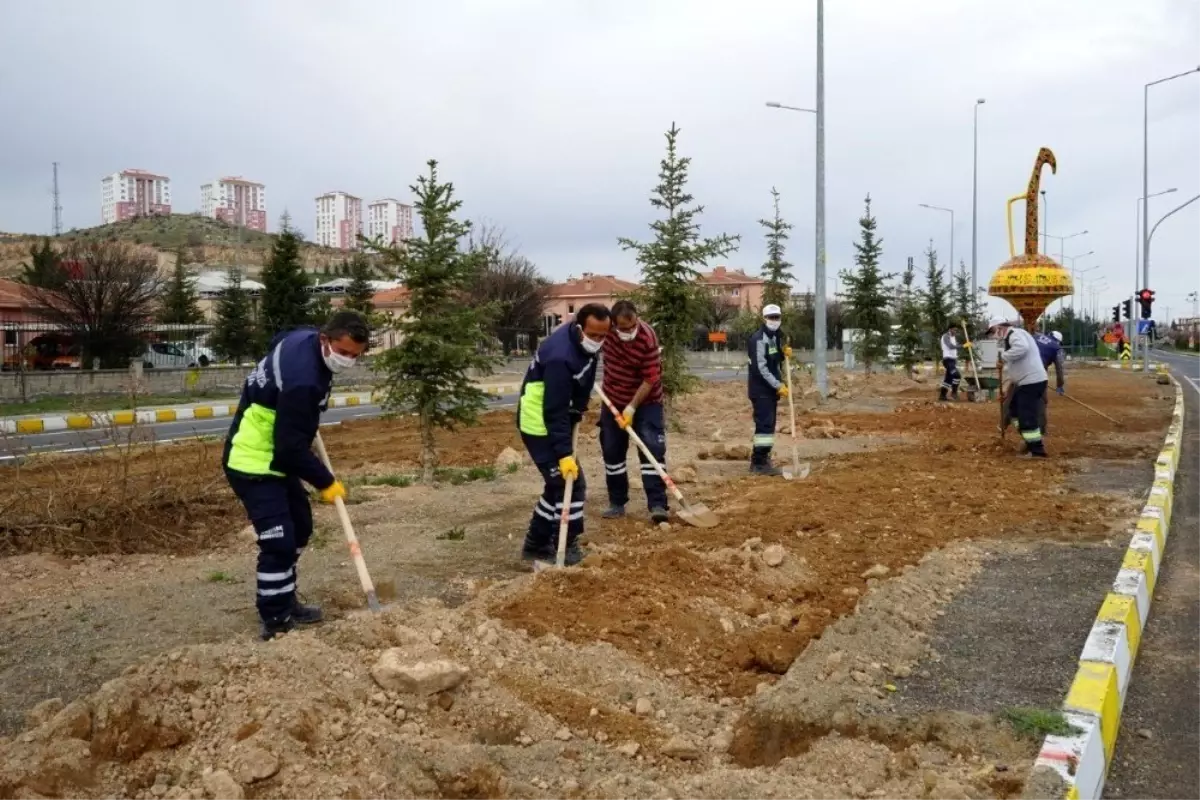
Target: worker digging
{"x":765,"y":387}
{"x":268,"y":453}
{"x":633,"y":383}
{"x":952,"y":376}
{"x":554,"y":397}
{"x":1020,"y":357}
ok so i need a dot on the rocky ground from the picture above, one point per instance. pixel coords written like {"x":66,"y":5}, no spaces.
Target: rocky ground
{"x":760,"y":658}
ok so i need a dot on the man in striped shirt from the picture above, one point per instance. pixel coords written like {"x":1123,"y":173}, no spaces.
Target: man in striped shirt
{"x":633,"y":382}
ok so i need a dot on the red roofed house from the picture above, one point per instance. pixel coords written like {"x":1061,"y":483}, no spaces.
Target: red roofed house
{"x":735,"y":287}
{"x":14,"y":310}
{"x":392,"y":303}
{"x":566,"y":298}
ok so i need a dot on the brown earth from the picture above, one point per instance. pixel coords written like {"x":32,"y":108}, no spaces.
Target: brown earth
{"x":628,"y":677}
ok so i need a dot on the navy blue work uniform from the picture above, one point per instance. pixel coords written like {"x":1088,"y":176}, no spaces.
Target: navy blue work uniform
{"x":554,"y":397}
{"x":268,"y":452}
{"x":765,"y":349}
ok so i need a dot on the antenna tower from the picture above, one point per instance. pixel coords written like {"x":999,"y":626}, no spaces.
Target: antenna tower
{"x":57,"y":204}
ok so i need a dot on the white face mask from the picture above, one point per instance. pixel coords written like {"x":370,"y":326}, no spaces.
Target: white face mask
{"x":336,"y":361}
{"x":591,"y":345}
{"x":627,"y":337}
{"x":773,"y":324}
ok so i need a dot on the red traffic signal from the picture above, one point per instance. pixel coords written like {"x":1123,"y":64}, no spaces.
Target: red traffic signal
{"x":1146,"y":295}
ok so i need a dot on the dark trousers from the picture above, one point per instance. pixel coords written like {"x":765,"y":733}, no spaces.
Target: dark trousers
{"x":1028,"y":402}
{"x":283,"y":523}
{"x":614,"y":444}
{"x":952,"y":377}
{"x":542,"y":538}
{"x":765,"y":407}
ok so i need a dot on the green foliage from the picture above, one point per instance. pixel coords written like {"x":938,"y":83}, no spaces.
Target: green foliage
{"x":966,"y":306}
{"x":775,"y":271}
{"x":285,"y":299}
{"x":670,"y":264}
{"x":233,"y":333}
{"x":866,"y":294}
{"x":935,"y":298}
{"x":455,"y":534}
{"x":456,"y":476}
{"x":908,"y":317}
{"x":220,"y":576}
{"x":43,"y":268}
{"x":440,"y":336}
{"x":359,"y":291}
{"x":1038,"y":723}
{"x":392,"y":479}
{"x":179,"y":304}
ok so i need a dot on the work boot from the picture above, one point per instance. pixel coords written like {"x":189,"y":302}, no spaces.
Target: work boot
{"x":574,"y":554}
{"x":765,"y":469}
{"x":273,"y":627}
{"x":954,"y":394}
{"x":614,"y":511}
{"x":305,"y":614}
{"x":659,"y":514}
{"x":942,"y":395}
{"x":535,"y":550}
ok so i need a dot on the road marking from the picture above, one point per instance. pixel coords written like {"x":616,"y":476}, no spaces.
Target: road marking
{"x":1195,"y":384}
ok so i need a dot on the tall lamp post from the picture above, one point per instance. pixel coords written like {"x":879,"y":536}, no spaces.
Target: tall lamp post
{"x":1146,"y":168}
{"x":951,"y":213}
{"x":1137,"y":253}
{"x":1146,"y":269}
{"x":975,"y":199}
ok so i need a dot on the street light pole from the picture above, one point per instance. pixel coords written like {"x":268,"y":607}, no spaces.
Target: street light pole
{"x":1146,"y":169}
{"x":1146,"y":268}
{"x":975,"y":200}
{"x":1137,"y":270}
{"x":819,"y":279}
{"x":950,"y":211}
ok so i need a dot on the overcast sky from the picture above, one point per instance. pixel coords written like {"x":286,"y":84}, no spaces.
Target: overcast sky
{"x":549,"y":115}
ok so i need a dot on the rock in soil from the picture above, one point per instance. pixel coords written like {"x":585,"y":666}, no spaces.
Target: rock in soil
{"x":413,"y":672}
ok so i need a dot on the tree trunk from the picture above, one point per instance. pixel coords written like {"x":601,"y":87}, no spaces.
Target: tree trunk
{"x":428,"y":453}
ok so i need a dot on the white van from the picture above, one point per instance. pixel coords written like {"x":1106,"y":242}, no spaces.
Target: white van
{"x":169,"y":355}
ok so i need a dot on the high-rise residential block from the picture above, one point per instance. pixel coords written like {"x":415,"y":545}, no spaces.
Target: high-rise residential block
{"x":389,"y":220}
{"x":236,"y":201}
{"x":133,"y":193}
{"x":339,"y":220}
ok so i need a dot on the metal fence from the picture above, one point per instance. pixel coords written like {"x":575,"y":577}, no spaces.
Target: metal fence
{"x":39,"y":346}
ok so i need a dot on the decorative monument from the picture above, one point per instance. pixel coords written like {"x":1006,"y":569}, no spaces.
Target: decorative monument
{"x":1031,"y":281}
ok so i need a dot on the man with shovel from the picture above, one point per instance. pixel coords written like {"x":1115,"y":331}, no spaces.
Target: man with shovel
{"x":633,"y":382}
{"x":1027,"y":380}
{"x":554,"y":397}
{"x":765,"y":386}
{"x":268,"y":452}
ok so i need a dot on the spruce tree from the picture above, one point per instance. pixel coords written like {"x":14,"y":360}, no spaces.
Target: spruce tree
{"x":866,"y":293}
{"x":285,"y":297}
{"x":429,"y":372}
{"x":233,"y":333}
{"x":359,"y":291}
{"x":180,"y":304}
{"x":966,"y":307}
{"x":42,"y":269}
{"x":935,"y":298}
{"x":670,"y":264}
{"x":908,"y":317}
{"x":775,"y":271}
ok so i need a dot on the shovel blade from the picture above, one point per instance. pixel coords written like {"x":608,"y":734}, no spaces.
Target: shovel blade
{"x":699,"y":515}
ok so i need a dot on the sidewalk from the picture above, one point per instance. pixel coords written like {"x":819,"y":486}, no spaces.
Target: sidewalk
{"x":209,"y":409}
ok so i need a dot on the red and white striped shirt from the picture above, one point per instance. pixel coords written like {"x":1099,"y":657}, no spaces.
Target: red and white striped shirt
{"x":627,"y":365}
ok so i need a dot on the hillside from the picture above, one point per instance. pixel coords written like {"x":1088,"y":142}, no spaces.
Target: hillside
{"x":205,"y":240}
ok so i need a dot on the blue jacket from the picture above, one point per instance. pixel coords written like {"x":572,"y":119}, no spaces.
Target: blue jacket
{"x":555,"y":394}
{"x":765,"y":349}
{"x":1052,"y":353}
{"x":280,"y":410}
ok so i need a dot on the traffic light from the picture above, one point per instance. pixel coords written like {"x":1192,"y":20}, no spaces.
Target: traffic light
{"x":1127,"y":307}
{"x":1145,"y":300}
{"x":1117,"y":313}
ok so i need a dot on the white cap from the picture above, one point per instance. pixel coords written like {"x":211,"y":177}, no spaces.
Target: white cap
{"x":772,"y":310}
{"x":1057,"y":336}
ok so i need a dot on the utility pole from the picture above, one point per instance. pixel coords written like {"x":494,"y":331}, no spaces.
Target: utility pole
{"x":819,"y":343}
{"x":57,"y":204}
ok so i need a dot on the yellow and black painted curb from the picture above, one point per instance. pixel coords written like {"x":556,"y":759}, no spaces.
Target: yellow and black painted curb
{"x":151,"y":416}
{"x":1101,"y":684}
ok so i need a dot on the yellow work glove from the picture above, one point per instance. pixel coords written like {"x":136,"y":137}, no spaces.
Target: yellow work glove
{"x":967,"y":345}
{"x":787,"y":351}
{"x":783,"y":392}
{"x":626,"y":418}
{"x":332,"y":492}
{"x":569,"y":467}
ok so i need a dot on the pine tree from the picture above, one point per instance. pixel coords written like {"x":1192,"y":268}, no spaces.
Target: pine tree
{"x":670,"y":264}
{"x":775,"y":271}
{"x":428,"y":372}
{"x":43,"y":268}
{"x":908,"y":317}
{"x":866,"y":294}
{"x":359,"y":291}
{"x":285,"y":297}
{"x":966,"y":307}
{"x":935,"y":298}
{"x":179,"y":304}
{"x":233,"y":333}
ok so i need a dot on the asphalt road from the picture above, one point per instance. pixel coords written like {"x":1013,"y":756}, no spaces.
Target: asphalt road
{"x":1160,"y":730}
{"x":14,"y":448}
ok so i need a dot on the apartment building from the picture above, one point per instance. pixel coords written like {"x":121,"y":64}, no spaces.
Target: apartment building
{"x":390,"y":220}
{"x":339,"y":220}
{"x":133,"y":193}
{"x":236,"y":201}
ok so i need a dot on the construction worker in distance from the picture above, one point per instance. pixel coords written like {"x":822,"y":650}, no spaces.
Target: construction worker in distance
{"x":1024,"y":372}
{"x":1051,"y":350}
{"x":554,"y":397}
{"x":632,"y":382}
{"x":268,"y":452}
{"x":765,"y":387}
{"x":951,"y":378}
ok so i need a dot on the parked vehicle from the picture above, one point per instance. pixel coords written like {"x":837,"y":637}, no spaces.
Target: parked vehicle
{"x":201,"y":354}
{"x":170,"y":355}
{"x":53,"y":351}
